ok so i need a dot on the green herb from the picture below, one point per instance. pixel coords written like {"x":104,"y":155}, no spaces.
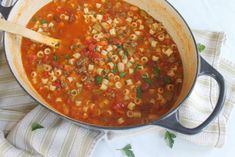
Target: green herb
{"x":98,"y":80}
{"x":119,"y":46}
{"x":109,"y":59}
{"x":137,"y":67}
{"x":122,"y":74}
{"x":146,"y":79}
{"x":43,"y":21}
{"x":127,"y":150}
{"x":34,"y":19}
{"x":167,"y":80}
{"x":74,"y":47}
{"x":55,"y":58}
{"x":97,"y":27}
{"x":103,"y":72}
{"x":139,"y":92}
{"x":36,"y":126}
{"x":57,"y":44}
{"x":109,"y":5}
{"x":67,"y":56}
{"x":169,"y":138}
{"x":126,"y":52}
{"x":96,"y":48}
{"x":106,"y":77}
{"x":201,"y":47}
{"x":115,"y":69}
{"x":156,"y":71}
{"x":110,"y":41}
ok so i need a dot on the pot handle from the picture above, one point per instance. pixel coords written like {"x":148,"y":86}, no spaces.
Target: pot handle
{"x":172,"y":122}
{"x":5,"y":10}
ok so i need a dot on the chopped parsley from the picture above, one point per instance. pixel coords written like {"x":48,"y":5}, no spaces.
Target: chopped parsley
{"x":43,"y":21}
{"x":98,"y":80}
{"x":170,"y":139}
{"x":139,"y":92}
{"x":74,"y":47}
{"x":119,"y":46}
{"x":156,"y":72}
{"x":34,"y":19}
{"x":147,"y":79}
{"x":201,"y":47}
{"x":55,"y":58}
{"x":103,"y":72}
{"x":137,"y":67}
{"x":67,"y":56}
{"x":126,"y":52}
{"x":57,"y":44}
{"x":122,"y":74}
{"x":109,"y":59}
{"x":167,"y":80}
{"x":115,"y":69}
{"x":97,"y":27}
{"x":127,"y":150}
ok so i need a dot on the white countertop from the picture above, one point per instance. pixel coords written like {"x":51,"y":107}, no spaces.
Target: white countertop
{"x":215,"y":15}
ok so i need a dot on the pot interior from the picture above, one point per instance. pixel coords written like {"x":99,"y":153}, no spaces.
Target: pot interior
{"x":159,"y":9}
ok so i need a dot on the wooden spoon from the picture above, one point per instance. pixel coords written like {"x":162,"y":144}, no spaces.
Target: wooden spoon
{"x":28,"y":33}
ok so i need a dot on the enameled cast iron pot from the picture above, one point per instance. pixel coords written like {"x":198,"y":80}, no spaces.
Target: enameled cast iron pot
{"x":194,"y":65}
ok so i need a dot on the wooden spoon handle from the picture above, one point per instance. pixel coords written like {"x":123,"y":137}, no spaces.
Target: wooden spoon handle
{"x":28,"y":33}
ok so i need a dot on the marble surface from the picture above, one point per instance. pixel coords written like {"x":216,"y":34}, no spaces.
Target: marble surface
{"x":214,"y":15}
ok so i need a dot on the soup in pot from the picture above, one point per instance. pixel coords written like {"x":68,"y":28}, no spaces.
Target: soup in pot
{"x":116,"y":65}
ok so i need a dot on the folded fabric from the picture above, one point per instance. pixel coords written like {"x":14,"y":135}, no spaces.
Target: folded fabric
{"x":61,"y":138}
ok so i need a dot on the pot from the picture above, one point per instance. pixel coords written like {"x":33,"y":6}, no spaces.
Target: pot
{"x":194,"y":65}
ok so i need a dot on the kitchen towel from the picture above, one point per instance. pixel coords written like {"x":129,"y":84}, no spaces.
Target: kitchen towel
{"x":62,"y":138}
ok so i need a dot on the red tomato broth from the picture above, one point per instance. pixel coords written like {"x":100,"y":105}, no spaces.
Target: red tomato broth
{"x":116,"y":66}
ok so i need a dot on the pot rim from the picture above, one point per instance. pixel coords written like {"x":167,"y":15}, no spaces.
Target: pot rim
{"x":97,"y":127}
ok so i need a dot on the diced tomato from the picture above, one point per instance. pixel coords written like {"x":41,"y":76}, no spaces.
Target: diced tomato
{"x":119,"y":108}
{"x":117,"y":41}
{"x":90,"y":41}
{"x":93,"y":55}
{"x":32,"y":58}
{"x":167,"y":42}
{"x":45,"y":74}
{"x":121,"y":20}
{"x":57,"y":83}
{"x":136,"y":77}
{"x":105,"y":18}
{"x":103,"y":43}
{"x":69,"y":102}
{"x":61,"y":24}
{"x":92,"y":47}
{"x":45,"y":59}
{"x":96,"y":56}
{"x":57,"y":65}
{"x":88,"y":53}
{"x":145,"y":86}
{"x":88,"y":87}
{"x":68,"y":68}
{"x":151,"y":63}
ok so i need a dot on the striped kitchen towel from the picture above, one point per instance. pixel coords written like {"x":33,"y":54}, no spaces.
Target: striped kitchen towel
{"x":60,"y":138}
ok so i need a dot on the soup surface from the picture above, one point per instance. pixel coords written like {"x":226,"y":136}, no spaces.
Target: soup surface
{"x":116,"y":65}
